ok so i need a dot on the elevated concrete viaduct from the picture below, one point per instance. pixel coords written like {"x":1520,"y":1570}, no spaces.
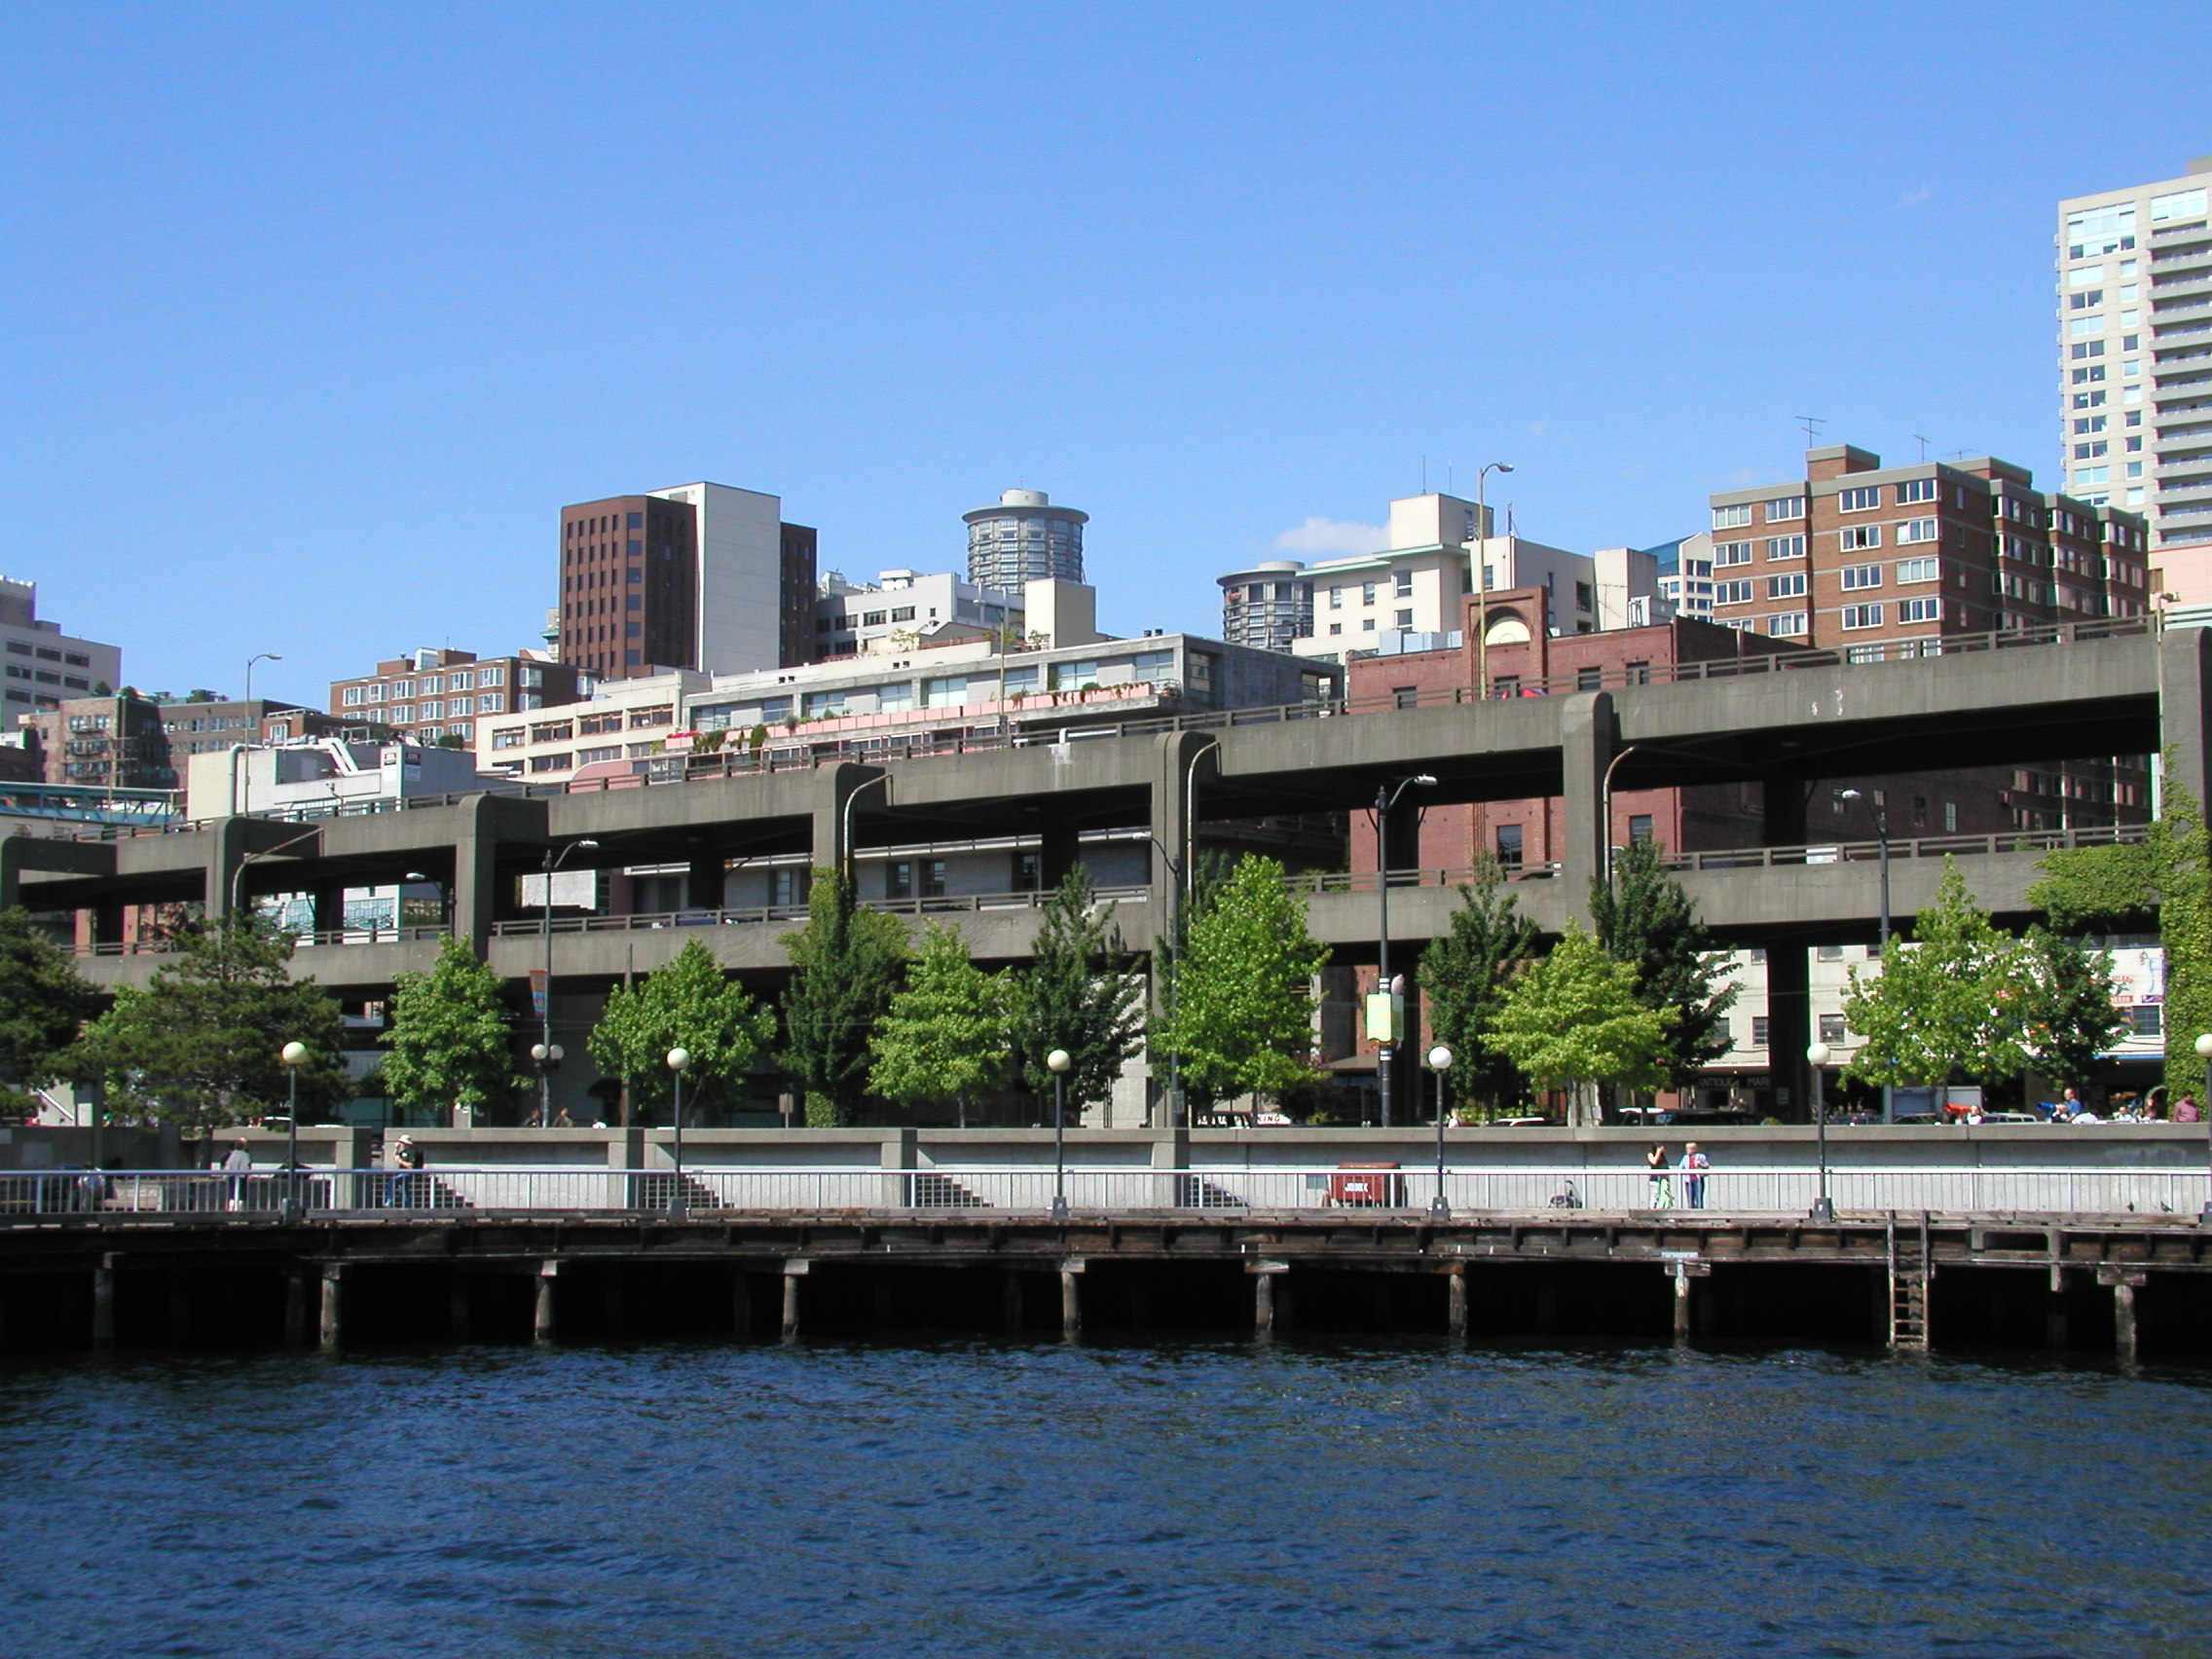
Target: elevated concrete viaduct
{"x":1783,"y":727}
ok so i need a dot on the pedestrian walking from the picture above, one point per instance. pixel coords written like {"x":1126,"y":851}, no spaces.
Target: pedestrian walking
{"x":406,"y":1158}
{"x":1662,"y":1182}
{"x":1693,"y":1164}
{"x":235,"y":1163}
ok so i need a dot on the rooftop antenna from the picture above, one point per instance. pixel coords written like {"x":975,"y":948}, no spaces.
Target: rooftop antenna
{"x":1811,"y":422}
{"x":1923,"y":440}
{"x":1959,"y":455}
{"x":1448,"y":478}
{"x":1424,"y":474}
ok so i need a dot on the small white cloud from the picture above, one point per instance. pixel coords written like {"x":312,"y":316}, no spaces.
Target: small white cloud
{"x":1327,"y":535}
{"x":1537,"y":428}
{"x":1914,"y":197}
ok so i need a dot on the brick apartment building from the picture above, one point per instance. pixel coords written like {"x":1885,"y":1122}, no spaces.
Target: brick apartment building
{"x":429,"y":695}
{"x":135,"y":742}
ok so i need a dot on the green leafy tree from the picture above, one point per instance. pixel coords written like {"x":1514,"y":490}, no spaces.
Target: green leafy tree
{"x":1950,"y":1007}
{"x":1646,"y":919}
{"x":1464,"y":976}
{"x":1079,"y":994}
{"x":1573,"y":1019}
{"x":846,"y":965}
{"x":200,"y":1045}
{"x":44,"y":1002}
{"x":687,"y":1003}
{"x":947,"y":1036}
{"x":449,"y":1036}
{"x":2066,"y":1007}
{"x":2165,"y":877}
{"x":1243,"y":1015}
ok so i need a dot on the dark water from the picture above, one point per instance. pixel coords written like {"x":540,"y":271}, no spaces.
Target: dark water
{"x":1027,"y":1500}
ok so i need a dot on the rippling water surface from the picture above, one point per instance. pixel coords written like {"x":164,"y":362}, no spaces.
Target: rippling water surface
{"x":984,"y":1499}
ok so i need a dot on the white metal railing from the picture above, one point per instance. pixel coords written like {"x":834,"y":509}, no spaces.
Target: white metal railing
{"x":1014,"y":1189}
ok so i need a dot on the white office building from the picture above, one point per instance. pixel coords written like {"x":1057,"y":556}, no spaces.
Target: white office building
{"x":2135,"y":364}
{"x":738,"y":619}
{"x":1410,"y":595}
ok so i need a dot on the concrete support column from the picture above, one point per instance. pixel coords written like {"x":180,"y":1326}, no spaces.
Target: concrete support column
{"x":1267,"y":1282}
{"x":107,"y":922}
{"x":834,"y":786}
{"x":1011,"y":1293}
{"x":1071,"y":1300}
{"x":1790,"y":1026}
{"x":329,"y":900}
{"x":740,"y":1304}
{"x":1589,"y":739}
{"x":103,"y":1304}
{"x":333,"y":1305}
{"x":295,"y":1309}
{"x":703,"y":886}
{"x":793,"y":1272}
{"x":1455,"y":1313}
{"x":1681,"y":1305}
{"x":1057,"y":852}
{"x":542,"y":1328}
{"x":2185,"y":707}
{"x":1183,"y":763}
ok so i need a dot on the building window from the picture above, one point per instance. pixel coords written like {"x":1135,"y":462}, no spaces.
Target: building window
{"x":551,"y":762}
{"x":2146,"y":1020}
{"x":1786,"y":547}
{"x":1027,"y":872}
{"x":1791,"y":587}
{"x":1367,"y":593}
{"x":1403,"y":587}
{"x":1917,"y":570}
{"x":932,"y":878}
{"x":899,"y":879}
{"x":1732,"y":553}
{"x":1859,"y":538}
{"x":1509,"y":846}
{"x":1860,"y":500}
{"x":1950,"y":818}
{"x":1785,"y":624}
{"x":1405,"y":696}
{"x":1785,"y":508}
{"x":1640,"y":828}
{"x":1760,"y":1026}
{"x":1920,"y":609}
{"x":491,"y":677}
{"x":1404,"y":619}
{"x":1336,"y":599}
{"x":1730,"y":517}
{"x":1862,"y":616}
{"x":1861,"y":576}
{"x":1917,"y":490}
{"x":350,"y":697}
{"x":1831,"y":1028}
{"x":1732,"y":593}
{"x":495,"y":703}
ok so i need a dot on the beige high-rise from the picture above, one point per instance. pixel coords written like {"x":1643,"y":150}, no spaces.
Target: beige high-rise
{"x":2135,"y":364}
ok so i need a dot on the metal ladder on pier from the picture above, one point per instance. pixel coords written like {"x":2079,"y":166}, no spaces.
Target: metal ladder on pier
{"x":1909,"y":1282}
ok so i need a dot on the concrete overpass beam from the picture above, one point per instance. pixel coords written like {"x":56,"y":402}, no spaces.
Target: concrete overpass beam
{"x":1789,"y":1026}
{"x":488,"y":822}
{"x":703,"y":887}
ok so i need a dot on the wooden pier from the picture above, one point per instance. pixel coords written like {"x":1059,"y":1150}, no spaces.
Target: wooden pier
{"x":2119,"y":1283}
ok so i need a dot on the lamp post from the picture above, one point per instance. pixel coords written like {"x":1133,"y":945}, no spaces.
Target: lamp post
{"x":1058,"y":1062}
{"x":545,"y":1051}
{"x":1818,"y":1055}
{"x":1440,"y":1062}
{"x":2203,"y":1046}
{"x":679,"y":1059}
{"x":1480,"y":574}
{"x":1386,"y":798}
{"x":254,"y":725}
{"x":258,"y":656}
{"x":294,"y":1055}
{"x":1882,"y":924}
{"x":238,"y":875}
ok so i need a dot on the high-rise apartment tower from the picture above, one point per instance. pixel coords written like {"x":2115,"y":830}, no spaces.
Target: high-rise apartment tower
{"x":699,"y":577}
{"x":2135,"y":363}
{"x":1025,"y":539}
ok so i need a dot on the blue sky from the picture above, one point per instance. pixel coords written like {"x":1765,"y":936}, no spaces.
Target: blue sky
{"x":315,"y":315}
